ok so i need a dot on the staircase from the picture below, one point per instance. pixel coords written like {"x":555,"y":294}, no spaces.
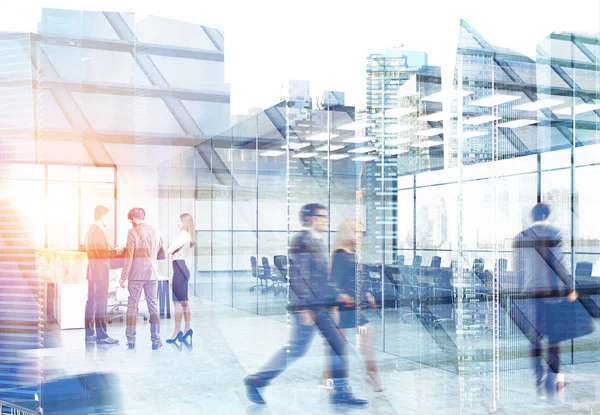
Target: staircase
{"x":21,"y":302}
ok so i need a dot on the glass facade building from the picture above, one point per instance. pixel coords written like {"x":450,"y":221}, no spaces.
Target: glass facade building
{"x":100,"y":108}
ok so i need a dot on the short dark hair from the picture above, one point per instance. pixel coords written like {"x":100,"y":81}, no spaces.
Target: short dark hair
{"x":100,"y":211}
{"x":136,"y":213}
{"x":540,"y":212}
{"x":309,"y":211}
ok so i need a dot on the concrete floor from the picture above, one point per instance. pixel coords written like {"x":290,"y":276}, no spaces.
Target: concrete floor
{"x":230,"y":343}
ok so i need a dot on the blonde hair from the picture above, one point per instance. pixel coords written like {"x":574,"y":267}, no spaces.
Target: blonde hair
{"x":345,"y":237}
{"x":188,"y":225}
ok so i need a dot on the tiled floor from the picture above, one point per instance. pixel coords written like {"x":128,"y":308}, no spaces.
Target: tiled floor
{"x":230,"y":343}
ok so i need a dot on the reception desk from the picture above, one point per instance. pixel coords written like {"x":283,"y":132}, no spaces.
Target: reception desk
{"x":65,"y":274}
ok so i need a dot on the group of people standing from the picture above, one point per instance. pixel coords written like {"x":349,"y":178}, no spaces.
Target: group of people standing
{"x":140,"y":274}
{"x":325,"y":298}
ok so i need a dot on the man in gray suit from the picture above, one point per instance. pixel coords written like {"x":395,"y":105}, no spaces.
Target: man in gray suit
{"x":538,"y":265}
{"x":140,"y":267}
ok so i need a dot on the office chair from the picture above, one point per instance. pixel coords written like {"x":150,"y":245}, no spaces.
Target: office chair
{"x":279,"y":274}
{"x":269,"y":274}
{"x":417,"y":261}
{"x":121,"y":297}
{"x":400,"y":260}
{"x":257,"y":273}
{"x":583,"y":269}
{"x":436,"y":262}
{"x":281,"y":264}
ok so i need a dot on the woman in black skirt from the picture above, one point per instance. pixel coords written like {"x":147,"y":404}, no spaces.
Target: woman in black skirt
{"x":181,"y":276}
{"x":343,"y":273}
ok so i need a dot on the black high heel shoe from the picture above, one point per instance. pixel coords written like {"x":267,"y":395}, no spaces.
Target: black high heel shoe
{"x":176,"y":339}
{"x":187,"y":334}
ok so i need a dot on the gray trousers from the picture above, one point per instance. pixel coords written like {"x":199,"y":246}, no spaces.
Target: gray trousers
{"x":150,"y":289}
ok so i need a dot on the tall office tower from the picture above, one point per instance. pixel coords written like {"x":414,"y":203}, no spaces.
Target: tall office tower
{"x":398,"y":81}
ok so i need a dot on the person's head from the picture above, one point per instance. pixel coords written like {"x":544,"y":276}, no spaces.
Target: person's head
{"x":348,"y":235}
{"x":136,"y":216}
{"x":540,"y":212}
{"x":100,"y":213}
{"x":186,"y":223}
{"x":314,"y":216}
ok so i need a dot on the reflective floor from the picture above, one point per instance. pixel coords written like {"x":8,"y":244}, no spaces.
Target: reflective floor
{"x":230,"y":343}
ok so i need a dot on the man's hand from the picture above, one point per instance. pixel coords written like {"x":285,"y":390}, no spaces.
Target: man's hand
{"x":306,"y":317}
{"x":360,"y":194}
{"x":122,"y":283}
{"x":572,"y":296}
{"x":371,"y":301}
{"x":346,"y":299}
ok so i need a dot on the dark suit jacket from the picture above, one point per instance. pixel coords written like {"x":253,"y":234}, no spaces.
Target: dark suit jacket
{"x":542,"y":276}
{"x":98,"y":254}
{"x":538,"y":262}
{"x":310,"y":287}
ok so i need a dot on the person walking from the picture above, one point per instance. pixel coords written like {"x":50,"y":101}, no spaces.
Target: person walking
{"x":181,"y":277}
{"x":311,"y":300}
{"x":140,"y":272}
{"x":538,"y":265}
{"x":344,"y":272}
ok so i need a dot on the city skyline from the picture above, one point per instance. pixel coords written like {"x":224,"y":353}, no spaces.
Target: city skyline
{"x":288,"y":57}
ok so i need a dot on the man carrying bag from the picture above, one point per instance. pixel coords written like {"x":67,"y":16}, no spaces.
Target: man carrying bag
{"x":551,"y":304}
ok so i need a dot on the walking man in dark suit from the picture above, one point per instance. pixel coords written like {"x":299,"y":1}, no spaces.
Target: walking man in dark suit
{"x":98,"y":269}
{"x":311,"y":301}
{"x":539,"y":268}
{"x":140,"y":268}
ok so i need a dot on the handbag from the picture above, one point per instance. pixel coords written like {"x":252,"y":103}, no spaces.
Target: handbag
{"x":568,"y":320}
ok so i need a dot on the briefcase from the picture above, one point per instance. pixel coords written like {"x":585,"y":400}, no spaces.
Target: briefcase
{"x":569,"y":320}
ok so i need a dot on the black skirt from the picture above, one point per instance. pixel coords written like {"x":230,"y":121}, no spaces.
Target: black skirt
{"x":181,"y":277}
{"x":351,"y":317}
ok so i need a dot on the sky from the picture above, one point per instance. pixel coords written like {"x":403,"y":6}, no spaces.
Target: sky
{"x":268,"y":42}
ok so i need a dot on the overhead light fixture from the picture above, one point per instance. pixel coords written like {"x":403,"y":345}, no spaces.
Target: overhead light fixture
{"x":354,"y":126}
{"x":297,"y":146}
{"x":436,"y":117}
{"x":395,"y":152}
{"x":397,"y":141}
{"x":272,"y":153}
{"x":430,"y":132}
{"x":397,"y":128}
{"x":399,"y":112}
{"x":321,"y":137}
{"x":304,"y":155}
{"x":494,"y":100}
{"x":472,"y":134}
{"x":482,"y":119}
{"x":579,"y":109}
{"x":538,"y":105}
{"x":428,"y":143}
{"x":365,"y":158}
{"x":439,"y":96}
{"x":362,"y":150}
{"x":336,"y":156}
{"x":329,"y":148}
{"x":358,"y":140}
{"x":517,"y":123}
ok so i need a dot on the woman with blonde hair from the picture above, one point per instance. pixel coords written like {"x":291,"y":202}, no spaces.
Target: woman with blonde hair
{"x":181,"y":276}
{"x":344,"y":273}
